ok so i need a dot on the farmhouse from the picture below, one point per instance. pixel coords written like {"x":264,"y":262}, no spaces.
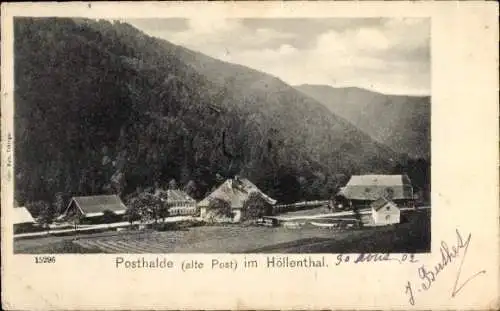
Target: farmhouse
{"x":362,"y":190}
{"x":95,"y":209}
{"x":23,"y":221}
{"x":234,"y":191}
{"x":385,"y":212}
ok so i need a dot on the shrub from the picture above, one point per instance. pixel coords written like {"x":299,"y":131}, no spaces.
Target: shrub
{"x":44,"y":212}
{"x":132,"y":214}
{"x":255,"y":206}
{"x":219,"y":210}
{"x":146,"y":207}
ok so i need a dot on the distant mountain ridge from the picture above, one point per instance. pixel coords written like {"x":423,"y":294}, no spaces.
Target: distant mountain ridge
{"x":102,"y":107}
{"x":400,"y":122}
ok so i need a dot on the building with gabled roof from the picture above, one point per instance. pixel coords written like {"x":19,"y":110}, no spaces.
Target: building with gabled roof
{"x":22,"y":216}
{"x":23,"y":220}
{"x":385,"y":212}
{"x":234,"y":191}
{"x":93,"y":208}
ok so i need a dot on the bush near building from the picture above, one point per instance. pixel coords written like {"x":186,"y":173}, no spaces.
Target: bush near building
{"x":256,"y":207}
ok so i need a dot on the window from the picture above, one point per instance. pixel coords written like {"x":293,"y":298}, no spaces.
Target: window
{"x":387,"y":217}
{"x":387,"y":207}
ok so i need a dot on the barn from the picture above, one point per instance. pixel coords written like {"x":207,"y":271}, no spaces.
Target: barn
{"x":95,"y":209}
{"x":385,"y":212}
{"x":362,"y":190}
{"x":23,"y":221}
{"x":234,"y":191}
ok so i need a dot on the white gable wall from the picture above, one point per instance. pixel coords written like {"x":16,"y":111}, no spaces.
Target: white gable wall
{"x":388,"y":214}
{"x":237,"y":215}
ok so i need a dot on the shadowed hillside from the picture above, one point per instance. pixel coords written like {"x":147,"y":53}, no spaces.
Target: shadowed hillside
{"x":102,"y":107}
{"x":329,"y":138}
{"x":400,"y":122}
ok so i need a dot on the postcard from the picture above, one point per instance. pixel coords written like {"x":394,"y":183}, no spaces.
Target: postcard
{"x":250,"y":155}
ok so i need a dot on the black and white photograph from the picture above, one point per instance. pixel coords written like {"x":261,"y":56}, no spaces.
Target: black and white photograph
{"x":222,"y":135}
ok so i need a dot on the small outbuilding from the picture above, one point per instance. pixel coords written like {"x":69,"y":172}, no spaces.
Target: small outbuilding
{"x":23,"y":221}
{"x":95,"y":209}
{"x":385,"y":212}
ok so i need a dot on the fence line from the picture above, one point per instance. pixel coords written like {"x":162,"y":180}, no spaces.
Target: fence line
{"x":299,"y":205}
{"x":193,"y":210}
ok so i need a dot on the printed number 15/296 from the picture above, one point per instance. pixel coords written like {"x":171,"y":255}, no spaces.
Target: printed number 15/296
{"x":45,"y":259}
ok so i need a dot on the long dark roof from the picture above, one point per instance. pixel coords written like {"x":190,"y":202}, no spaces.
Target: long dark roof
{"x":99,"y":203}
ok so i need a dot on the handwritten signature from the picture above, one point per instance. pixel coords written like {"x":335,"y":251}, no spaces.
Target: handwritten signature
{"x":448,"y":255}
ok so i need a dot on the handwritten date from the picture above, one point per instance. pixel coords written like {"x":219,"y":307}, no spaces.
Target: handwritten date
{"x":375,"y":258}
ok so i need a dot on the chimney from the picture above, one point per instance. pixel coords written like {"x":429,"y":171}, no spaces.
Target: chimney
{"x":235,"y":182}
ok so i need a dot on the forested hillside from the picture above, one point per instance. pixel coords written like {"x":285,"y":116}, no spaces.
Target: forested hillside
{"x":102,"y":107}
{"x":400,"y":122}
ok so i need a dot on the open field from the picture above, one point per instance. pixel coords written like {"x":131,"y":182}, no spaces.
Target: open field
{"x":412,"y":236}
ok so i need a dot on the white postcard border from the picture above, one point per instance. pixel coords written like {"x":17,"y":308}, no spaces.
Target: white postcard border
{"x":464,"y":187}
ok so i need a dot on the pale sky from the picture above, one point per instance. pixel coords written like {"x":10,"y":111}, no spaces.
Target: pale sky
{"x":388,"y":55}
